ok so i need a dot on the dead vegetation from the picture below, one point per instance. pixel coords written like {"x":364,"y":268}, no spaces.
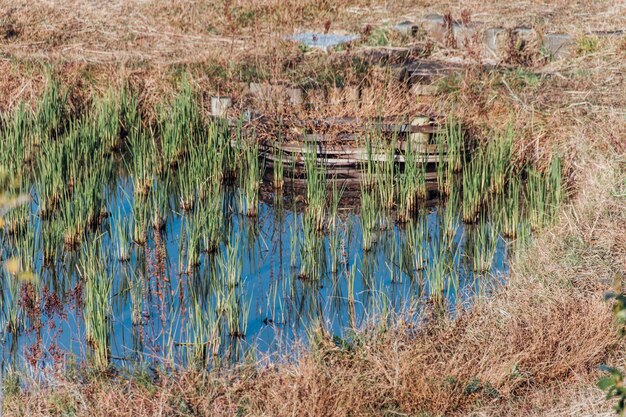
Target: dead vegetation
{"x":531,"y":349}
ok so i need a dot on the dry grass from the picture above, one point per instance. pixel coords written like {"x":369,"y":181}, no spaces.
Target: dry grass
{"x":164,"y":32}
{"x":531,"y":349}
{"x":543,"y":334}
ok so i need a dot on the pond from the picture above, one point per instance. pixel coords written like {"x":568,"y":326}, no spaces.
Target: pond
{"x":183,"y":245}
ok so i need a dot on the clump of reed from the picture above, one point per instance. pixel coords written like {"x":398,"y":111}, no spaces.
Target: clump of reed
{"x":484,"y":241}
{"x":334,"y":227}
{"x":439,"y":273}
{"x":180,"y":125}
{"x":250,"y":181}
{"x":315,"y":190}
{"x":510,"y":207}
{"x":451,"y":154}
{"x":411,"y":184}
{"x":475,"y":185}
{"x":230,"y":296}
{"x":122,"y":229}
{"x":203,"y":328}
{"x":311,"y":248}
{"x":545,"y":192}
{"x":97,"y":313}
{"x":370,"y":218}
{"x":416,"y":237}
{"x":107,"y":120}
{"x":385,"y":174}
{"x":278,"y":165}
{"x":51,"y":113}
{"x":498,"y":156}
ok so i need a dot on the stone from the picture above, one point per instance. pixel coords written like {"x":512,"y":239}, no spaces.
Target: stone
{"x":316,"y":97}
{"x":261,"y":91}
{"x":407,"y":28}
{"x":220,"y":105}
{"x":351,"y":94}
{"x":433,"y":25}
{"x":369,"y":96}
{"x":334,"y":96}
{"x":295,"y":95}
{"x":559,"y":45}
{"x":467,"y":35}
{"x":419,"y":139}
{"x":495,"y":39}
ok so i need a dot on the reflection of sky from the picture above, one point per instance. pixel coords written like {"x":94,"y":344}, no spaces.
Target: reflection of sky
{"x":322,"y":40}
{"x":281,"y":305}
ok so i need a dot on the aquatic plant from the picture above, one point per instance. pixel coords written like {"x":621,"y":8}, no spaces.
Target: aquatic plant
{"x":316,"y":188}
{"x":179,"y":126}
{"x":510,"y":207}
{"x":334,"y":229}
{"x":369,"y":218}
{"x":122,"y":228}
{"x":498,"y":156}
{"x":107,"y":120}
{"x":485,"y":241}
{"x":251,"y":180}
{"x":97,"y":312}
{"x":475,"y":185}
{"x":385,"y":174}
{"x":278,"y":165}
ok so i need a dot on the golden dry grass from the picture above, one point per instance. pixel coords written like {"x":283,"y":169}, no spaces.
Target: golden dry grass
{"x":531,"y":349}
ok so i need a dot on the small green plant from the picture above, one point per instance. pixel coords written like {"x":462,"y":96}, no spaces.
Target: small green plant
{"x":613,"y":381}
{"x":587,"y":44}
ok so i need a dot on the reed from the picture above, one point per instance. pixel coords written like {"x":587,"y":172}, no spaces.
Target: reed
{"x":454,"y":143}
{"x":213,"y":215}
{"x":141,"y":218}
{"x":203,"y":329}
{"x":369,"y":218}
{"x":511,"y":214}
{"x":230,"y":264}
{"x":498,"y":156}
{"x":334,"y":227}
{"x":475,"y":186}
{"x":193,"y":226}
{"x":449,"y":216}
{"x":251,"y":180}
{"x":17,"y":151}
{"x":311,"y":249}
{"x":231,"y":305}
{"x":316,"y":189}
{"x":485,"y":241}
{"x":385,"y":174}
{"x":142,"y":149}
{"x":136,"y":288}
{"x":130,"y":116}
{"x":367,"y":167}
{"x":12,"y":320}
{"x":97,"y":313}
{"x":179,"y":126}
{"x":538,"y":196}
{"x":107,"y":120}
{"x":51,"y":112}
{"x":293,"y":241}
{"x":52,"y":238}
{"x":278,"y":165}
{"x":122,"y":238}
{"x":437,"y":272}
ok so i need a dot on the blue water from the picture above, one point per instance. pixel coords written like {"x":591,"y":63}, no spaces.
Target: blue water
{"x":278,"y":307}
